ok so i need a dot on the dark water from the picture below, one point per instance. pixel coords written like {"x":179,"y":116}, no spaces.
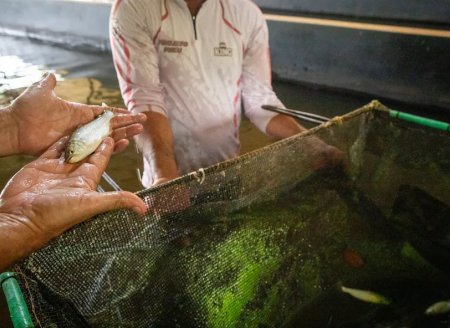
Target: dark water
{"x":90,"y":78}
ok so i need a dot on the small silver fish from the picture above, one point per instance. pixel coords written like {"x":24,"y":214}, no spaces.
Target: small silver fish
{"x":438,"y":308}
{"x":85,"y":140}
{"x":366,"y":295}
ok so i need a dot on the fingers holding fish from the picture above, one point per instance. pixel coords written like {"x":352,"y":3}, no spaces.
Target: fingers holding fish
{"x":86,"y":138}
{"x":121,"y":145}
{"x":99,"y":109}
{"x":126,"y":132}
{"x":83,"y":114}
{"x":121,"y":119}
{"x":93,"y":168}
{"x":38,"y":118}
{"x":103,"y":153}
{"x":121,"y":135}
{"x":56,"y":150}
{"x":53,"y":158}
{"x":99,"y":159}
{"x":123,"y":129}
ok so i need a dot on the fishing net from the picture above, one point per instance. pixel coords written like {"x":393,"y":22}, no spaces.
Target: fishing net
{"x":265,"y":240}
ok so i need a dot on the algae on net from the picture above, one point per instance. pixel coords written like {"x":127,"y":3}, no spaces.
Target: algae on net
{"x":260,"y":265}
{"x":278,"y":257}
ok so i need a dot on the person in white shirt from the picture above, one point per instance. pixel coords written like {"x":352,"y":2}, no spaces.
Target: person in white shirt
{"x":188,"y":65}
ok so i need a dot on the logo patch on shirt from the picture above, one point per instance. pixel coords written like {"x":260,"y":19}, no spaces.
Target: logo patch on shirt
{"x":173,"y":46}
{"x":223,"y":51}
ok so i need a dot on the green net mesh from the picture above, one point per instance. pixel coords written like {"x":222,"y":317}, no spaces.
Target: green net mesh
{"x":266,"y":240}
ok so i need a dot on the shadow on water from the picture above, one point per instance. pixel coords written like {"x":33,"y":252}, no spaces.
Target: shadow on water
{"x":410,"y":295}
{"x":90,"y":78}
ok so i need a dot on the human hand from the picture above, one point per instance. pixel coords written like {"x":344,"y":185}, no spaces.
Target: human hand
{"x":47,"y":197}
{"x":324,"y":156}
{"x":41,"y":118}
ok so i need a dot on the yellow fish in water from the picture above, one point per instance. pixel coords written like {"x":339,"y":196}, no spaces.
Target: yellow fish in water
{"x":366,"y":295}
{"x":438,"y":308}
{"x":85,"y":140}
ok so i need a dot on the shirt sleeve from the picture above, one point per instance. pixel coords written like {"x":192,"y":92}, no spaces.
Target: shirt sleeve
{"x":257,"y":76}
{"x":136,"y":57}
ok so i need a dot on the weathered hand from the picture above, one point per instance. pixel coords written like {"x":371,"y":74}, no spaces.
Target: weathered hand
{"x":41,"y":118}
{"x":47,"y":196}
{"x":324,"y":156}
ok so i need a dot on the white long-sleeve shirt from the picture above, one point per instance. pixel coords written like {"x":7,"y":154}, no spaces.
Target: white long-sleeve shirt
{"x":194,"y":70}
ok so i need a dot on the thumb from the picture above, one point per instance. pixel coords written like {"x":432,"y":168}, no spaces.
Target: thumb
{"x":48,"y":80}
{"x":108,"y":201}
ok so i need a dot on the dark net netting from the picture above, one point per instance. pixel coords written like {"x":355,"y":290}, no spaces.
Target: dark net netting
{"x":266,"y":239}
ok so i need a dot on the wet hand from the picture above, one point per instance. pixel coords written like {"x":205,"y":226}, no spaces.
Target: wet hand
{"x":324,"y":156}
{"x":41,"y":118}
{"x":47,"y":196}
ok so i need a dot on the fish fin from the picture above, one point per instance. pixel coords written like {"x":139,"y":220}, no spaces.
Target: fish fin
{"x":330,"y":321}
{"x":62,"y":158}
{"x":339,"y":285}
{"x":138,"y":172}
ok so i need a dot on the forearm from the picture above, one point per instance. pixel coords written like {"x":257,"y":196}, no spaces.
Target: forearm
{"x":321,"y":154}
{"x":8,"y":133}
{"x":156,"y":144}
{"x":282,"y":126}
